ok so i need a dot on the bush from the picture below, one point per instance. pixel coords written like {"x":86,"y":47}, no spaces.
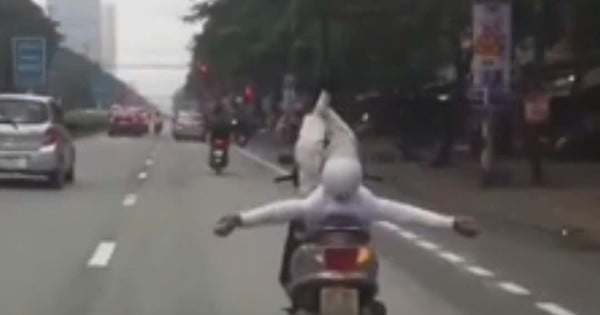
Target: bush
{"x":85,"y":122}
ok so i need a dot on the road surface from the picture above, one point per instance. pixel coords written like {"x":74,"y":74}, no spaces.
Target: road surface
{"x":133,"y":236}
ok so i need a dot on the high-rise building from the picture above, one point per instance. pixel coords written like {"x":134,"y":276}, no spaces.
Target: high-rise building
{"x":80,"y":24}
{"x":109,"y":34}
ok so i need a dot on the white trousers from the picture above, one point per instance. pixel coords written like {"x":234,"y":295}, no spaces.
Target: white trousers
{"x":310,"y":153}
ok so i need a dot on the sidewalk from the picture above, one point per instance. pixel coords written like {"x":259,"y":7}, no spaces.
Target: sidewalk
{"x":569,"y":203}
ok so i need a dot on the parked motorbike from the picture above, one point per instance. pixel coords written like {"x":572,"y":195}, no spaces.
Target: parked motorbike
{"x":335,"y":271}
{"x":219,"y":155}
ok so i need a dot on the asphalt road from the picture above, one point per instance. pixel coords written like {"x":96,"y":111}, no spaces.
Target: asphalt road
{"x":133,"y":236}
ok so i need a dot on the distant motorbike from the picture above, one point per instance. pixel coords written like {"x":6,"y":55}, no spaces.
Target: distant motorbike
{"x":158,"y":128}
{"x":335,"y":271}
{"x":219,"y":155}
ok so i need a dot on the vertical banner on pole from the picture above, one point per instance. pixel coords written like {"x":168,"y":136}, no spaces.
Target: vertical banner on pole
{"x":491,"y":67}
{"x":492,"y":47}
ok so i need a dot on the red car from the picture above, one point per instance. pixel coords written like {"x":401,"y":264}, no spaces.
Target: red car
{"x":130,"y":120}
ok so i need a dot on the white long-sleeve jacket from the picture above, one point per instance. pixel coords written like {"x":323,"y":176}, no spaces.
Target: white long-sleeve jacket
{"x":364,"y":205}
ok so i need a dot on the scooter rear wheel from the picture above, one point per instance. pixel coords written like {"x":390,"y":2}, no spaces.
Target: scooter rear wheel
{"x":375,"y":308}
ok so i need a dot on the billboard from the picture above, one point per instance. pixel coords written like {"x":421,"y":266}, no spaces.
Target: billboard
{"x":492,"y":58}
{"x":29,"y":62}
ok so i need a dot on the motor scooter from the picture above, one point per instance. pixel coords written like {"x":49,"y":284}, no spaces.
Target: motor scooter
{"x":219,"y":154}
{"x":334,"y":271}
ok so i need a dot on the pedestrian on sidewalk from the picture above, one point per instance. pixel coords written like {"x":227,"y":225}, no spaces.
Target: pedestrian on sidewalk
{"x":536,"y":111}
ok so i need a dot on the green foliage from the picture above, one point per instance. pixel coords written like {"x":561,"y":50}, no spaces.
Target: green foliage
{"x":81,"y":122}
{"x":380,"y":43}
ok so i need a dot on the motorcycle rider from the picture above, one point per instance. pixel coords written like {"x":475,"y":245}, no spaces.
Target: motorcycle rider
{"x":324,"y":136}
{"x":219,"y":124}
{"x":340,"y":191}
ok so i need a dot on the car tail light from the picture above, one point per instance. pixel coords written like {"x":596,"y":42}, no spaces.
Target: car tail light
{"x":341,"y":259}
{"x":220,"y":143}
{"x":51,"y":136}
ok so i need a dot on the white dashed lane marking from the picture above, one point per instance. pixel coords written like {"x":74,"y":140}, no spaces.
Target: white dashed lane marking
{"x":130,"y":200}
{"x":142,"y":176}
{"x":408,"y":235}
{"x":149,"y":162}
{"x":427,"y":245}
{"x":396,"y":229}
{"x":102,"y":255}
{"x":451,"y":257}
{"x":553,"y":309}
{"x":513,"y":288}
{"x":480,"y":271}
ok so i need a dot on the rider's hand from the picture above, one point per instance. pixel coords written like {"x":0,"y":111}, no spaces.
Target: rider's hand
{"x":227,"y":224}
{"x":465,"y":226}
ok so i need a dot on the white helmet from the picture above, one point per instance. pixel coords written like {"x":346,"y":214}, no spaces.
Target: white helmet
{"x":341,"y":177}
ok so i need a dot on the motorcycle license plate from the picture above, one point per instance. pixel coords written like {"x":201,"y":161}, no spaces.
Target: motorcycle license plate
{"x":339,"y":301}
{"x":218,"y":153}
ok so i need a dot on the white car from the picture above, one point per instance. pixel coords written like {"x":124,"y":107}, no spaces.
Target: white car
{"x":34,"y":140}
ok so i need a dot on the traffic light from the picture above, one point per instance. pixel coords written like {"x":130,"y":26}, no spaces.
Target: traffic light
{"x":204,"y":71}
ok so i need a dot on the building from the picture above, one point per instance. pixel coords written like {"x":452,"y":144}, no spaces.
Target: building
{"x":80,"y":24}
{"x":109,"y":34}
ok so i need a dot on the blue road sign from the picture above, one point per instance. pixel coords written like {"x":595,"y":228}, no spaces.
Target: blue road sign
{"x":29,"y":62}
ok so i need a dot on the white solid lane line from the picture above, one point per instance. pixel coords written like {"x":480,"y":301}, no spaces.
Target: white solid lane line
{"x":451,"y":257}
{"x":130,"y":200}
{"x":102,"y":255}
{"x":427,"y":245}
{"x":513,"y":288}
{"x":479,"y":271}
{"x":552,"y":308}
{"x":142,"y":176}
{"x":263,"y":162}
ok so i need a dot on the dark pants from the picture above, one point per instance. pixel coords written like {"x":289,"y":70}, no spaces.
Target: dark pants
{"x":534,"y":148}
{"x":291,"y":243}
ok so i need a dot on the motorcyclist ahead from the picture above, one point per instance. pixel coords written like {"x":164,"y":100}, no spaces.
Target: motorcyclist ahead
{"x":219,"y":124}
{"x":332,"y":188}
{"x":341,"y":192}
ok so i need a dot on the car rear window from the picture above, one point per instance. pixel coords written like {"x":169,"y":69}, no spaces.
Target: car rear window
{"x":24,"y":111}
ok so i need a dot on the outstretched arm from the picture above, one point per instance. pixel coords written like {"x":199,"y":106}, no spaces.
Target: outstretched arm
{"x":274,"y":213}
{"x":399,"y":213}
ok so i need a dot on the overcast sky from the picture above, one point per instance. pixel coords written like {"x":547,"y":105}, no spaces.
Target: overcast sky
{"x":151,"y":31}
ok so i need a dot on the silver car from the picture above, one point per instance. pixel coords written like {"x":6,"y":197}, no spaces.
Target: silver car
{"x":189,"y":125}
{"x":34,"y":140}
